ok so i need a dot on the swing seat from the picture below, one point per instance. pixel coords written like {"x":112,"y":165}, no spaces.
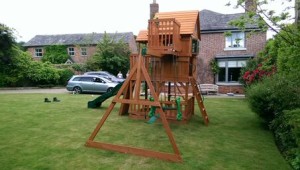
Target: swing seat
{"x":152,"y":119}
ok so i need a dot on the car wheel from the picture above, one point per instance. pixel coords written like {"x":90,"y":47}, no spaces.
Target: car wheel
{"x":77,"y":90}
{"x":109,"y":90}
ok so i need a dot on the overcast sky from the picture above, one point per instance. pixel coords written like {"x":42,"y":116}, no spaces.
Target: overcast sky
{"x":46,"y":17}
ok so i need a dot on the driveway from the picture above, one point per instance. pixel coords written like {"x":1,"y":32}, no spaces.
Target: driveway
{"x":33,"y":90}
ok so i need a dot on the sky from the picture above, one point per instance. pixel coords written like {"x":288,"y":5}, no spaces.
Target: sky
{"x":48,"y":17}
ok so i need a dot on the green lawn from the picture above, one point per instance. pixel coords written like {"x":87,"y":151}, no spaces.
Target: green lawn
{"x":38,"y":135}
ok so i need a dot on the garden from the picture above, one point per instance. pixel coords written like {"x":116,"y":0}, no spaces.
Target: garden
{"x":51,"y":135}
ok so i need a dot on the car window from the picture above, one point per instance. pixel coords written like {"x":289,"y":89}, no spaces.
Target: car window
{"x":99,"y":80}
{"x":106,"y":80}
{"x":76,"y":79}
{"x":88,"y":79}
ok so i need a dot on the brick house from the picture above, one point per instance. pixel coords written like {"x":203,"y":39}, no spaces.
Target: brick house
{"x":79,"y":46}
{"x":230,"y":53}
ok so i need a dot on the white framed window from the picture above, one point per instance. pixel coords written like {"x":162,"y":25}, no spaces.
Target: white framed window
{"x":38,"y":52}
{"x":83,"y":51}
{"x":71,"y":51}
{"x":230,"y":70}
{"x":236,"y":40}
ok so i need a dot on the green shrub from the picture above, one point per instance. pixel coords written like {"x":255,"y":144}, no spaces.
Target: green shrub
{"x":259,"y":97}
{"x":43,"y":73}
{"x":273,"y":95}
{"x":64,"y":76}
{"x":286,"y":127}
{"x":79,"y":67}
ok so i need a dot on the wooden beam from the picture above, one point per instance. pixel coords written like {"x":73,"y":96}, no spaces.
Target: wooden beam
{"x":135,"y":151}
{"x":141,"y":102}
{"x":100,"y":124}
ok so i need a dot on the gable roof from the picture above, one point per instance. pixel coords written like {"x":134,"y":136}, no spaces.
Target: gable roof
{"x":186,"y":19}
{"x":142,"y":36}
{"x":71,"y":39}
{"x":213,"y":21}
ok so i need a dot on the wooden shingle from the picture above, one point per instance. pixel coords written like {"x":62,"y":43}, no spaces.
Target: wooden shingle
{"x":188,"y":19}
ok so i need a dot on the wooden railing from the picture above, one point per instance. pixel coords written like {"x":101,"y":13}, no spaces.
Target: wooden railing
{"x":164,"y":36}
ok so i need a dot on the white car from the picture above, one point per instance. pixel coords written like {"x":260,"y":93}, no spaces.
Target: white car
{"x":90,"y":84}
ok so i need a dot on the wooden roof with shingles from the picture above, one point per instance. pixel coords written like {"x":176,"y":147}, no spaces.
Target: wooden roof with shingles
{"x":187,"y":19}
{"x":142,"y":36}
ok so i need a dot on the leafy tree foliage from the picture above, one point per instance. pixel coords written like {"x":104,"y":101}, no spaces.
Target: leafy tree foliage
{"x":55,"y":54}
{"x":288,"y":59}
{"x":24,"y":71}
{"x":111,"y":56}
{"x":17,"y":68}
{"x":7,"y":41}
{"x":267,"y":18}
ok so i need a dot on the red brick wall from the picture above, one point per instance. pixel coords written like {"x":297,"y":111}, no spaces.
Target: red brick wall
{"x":78,"y":58}
{"x":237,"y":89}
{"x":31,"y":51}
{"x":213,"y":44}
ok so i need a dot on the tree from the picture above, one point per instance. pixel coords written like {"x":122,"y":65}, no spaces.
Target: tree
{"x":7,"y":41}
{"x":266,"y":18}
{"x":297,"y":12}
{"x":112,"y":55}
{"x":288,"y":56}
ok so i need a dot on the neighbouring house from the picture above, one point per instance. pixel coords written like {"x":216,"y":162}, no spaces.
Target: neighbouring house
{"x":229,"y":52}
{"x":79,"y":46}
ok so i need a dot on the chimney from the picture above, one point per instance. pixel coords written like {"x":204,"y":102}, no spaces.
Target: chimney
{"x":250,"y":5}
{"x":153,"y":9}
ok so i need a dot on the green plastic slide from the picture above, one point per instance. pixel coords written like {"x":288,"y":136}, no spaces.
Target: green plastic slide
{"x":98,"y":101}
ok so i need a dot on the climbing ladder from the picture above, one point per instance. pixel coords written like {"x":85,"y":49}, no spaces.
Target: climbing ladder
{"x":199,"y":100}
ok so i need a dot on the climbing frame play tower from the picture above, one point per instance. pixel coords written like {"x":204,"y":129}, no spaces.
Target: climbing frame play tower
{"x":165,"y":71}
{"x":172,"y":44}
